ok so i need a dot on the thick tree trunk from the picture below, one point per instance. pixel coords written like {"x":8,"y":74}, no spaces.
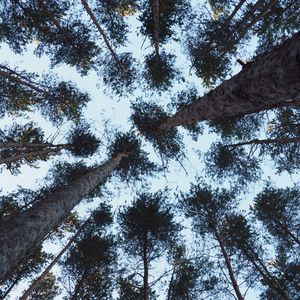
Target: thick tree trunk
{"x":271,"y":80}
{"x":19,"y":234}
{"x":228,"y":264}
{"x":37,"y":281}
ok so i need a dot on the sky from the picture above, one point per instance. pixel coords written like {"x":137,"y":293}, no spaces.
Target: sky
{"x":117,"y":111}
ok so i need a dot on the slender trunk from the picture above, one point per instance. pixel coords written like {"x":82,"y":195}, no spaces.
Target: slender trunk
{"x":78,"y":286}
{"x":146,"y":269}
{"x":30,"y":145}
{"x":170,"y":289}
{"x":263,"y":270}
{"x":36,"y":282}
{"x":249,"y":14}
{"x":234,"y":12}
{"x":155,"y":12}
{"x":19,"y":234}
{"x":25,"y":155}
{"x":101,"y":31}
{"x":256,"y":19}
{"x":265,"y":142}
{"x":228,"y":264}
{"x":271,"y":80}
{"x":5,"y":294}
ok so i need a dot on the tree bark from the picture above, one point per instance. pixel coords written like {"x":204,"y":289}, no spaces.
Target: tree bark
{"x":102,"y":33}
{"x":271,"y":80}
{"x":155,"y":12}
{"x":234,"y":12}
{"x":228,"y":264}
{"x":37,"y":281}
{"x":146,"y":270}
{"x":265,"y":142}
{"x":19,"y":234}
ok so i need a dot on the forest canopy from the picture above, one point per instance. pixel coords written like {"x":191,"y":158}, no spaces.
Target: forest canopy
{"x":149,"y":149}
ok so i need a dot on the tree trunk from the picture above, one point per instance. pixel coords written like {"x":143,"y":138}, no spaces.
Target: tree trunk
{"x":263,"y":270}
{"x":37,"y":281}
{"x":78,"y":286}
{"x":265,"y":142}
{"x":271,"y":80}
{"x":146,"y":270}
{"x":102,"y":33}
{"x":25,"y":155}
{"x":19,"y":234}
{"x":234,"y":12}
{"x":228,"y":264}
{"x":155,"y":12}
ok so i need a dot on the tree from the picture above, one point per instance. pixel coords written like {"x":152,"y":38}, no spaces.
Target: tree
{"x":207,"y":208}
{"x":240,"y":236}
{"x":91,"y":261}
{"x":147,"y":231}
{"x":277,"y":210}
{"x":27,"y":229}
{"x":272,"y":80}
{"x":26,"y":144}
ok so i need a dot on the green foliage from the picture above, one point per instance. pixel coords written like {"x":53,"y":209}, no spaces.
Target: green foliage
{"x":147,"y":117}
{"x":171,"y":14}
{"x":149,"y":218}
{"x":159,"y":70}
{"x":233,"y":163}
{"x":277,"y":210}
{"x":83,"y":142}
{"x":135,"y":165}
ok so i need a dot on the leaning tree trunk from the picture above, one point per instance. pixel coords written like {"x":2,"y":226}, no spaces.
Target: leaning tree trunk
{"x":228,"y":263}
{"x":37,"y":281}
{"x":20,"y":233}
{"x":270,"y":80}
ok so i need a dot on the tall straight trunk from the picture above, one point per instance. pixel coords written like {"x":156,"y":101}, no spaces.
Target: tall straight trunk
{"x":37,"y":281}
{"x":228,"y":263}
{"x":101,"y":31}
{"x":20,"y":233}
{"x":30,"y":146}
{"x":265,"y":142}
{"x":146,"y":270}
{"x":155,"y":13}
{"x":270,"y":80}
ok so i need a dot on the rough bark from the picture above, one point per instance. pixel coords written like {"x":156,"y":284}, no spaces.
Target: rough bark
{"x":228,"y":264}
{"x":37,"y":281}
{"x":270,"y":80}
{"x":21,"y":233}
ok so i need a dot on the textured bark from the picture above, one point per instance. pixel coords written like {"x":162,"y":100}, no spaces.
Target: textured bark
{"x":21,"y":233}
{"x":228,"y":264}
{"x":37,"y":281}
{"x":272,"y":79}
{"x":101,"y":31}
